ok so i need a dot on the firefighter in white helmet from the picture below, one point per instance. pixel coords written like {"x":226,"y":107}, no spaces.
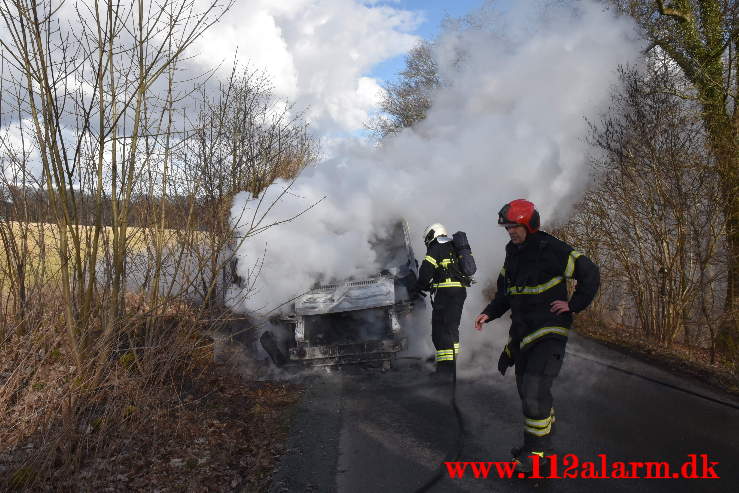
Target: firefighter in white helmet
{"x":440,"y":275}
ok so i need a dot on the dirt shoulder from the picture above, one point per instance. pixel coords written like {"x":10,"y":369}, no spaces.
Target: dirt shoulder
{"x":679,"y":359}
{"x":218,"y":433}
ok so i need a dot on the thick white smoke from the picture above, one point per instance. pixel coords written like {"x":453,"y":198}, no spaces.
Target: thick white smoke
{"x":511,"y":124}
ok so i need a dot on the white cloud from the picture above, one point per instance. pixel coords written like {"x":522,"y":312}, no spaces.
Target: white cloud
{"x":17,"y":140}
{"x":258,"y":40}
{"x":317,"y":52}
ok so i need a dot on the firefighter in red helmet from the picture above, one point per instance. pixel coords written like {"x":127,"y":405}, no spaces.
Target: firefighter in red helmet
{"x":532,"y":284}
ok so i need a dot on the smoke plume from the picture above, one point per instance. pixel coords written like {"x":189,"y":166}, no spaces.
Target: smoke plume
{"x":510,"y":123}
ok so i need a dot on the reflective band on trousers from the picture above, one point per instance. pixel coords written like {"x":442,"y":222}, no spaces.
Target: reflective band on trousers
{"x":570,"y":269}
{"x":431,"y":260}
{"x":542,"y":332}
{"x":540,"y":432}
{"x":456,"y":348}
{"x":536,"y":289}
{"x":539,"y":423}
{"x":538,"y":427}
{"x":445,"y":355}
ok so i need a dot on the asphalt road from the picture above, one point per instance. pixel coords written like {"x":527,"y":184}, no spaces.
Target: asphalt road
{"x":367,"y":431}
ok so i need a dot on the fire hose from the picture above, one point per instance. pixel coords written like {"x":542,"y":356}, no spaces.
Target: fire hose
{"x":656,"y":381}
{"x":456,"y":451}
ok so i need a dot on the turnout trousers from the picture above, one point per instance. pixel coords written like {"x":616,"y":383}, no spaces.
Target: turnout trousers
{"x":536,"y":370}
{"x":445,"y":319}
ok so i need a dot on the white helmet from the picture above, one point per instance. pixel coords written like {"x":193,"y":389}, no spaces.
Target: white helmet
{"x":433,"y":231}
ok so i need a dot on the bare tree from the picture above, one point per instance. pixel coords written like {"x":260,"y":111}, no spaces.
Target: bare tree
{"x":408,"y":99}
{"x":652,"y":217}
{"x":87,"y":93}
{"x":702,"y":38}
{"x":243,"y":140}
{"x":87,"y":89}
{"x":115,"y":207}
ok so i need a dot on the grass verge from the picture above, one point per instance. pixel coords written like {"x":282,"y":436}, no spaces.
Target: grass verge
{"x":164,"y":417}
{"x":688,"y":361}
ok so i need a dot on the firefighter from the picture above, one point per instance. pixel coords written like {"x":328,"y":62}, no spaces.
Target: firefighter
{"x":532,"y":284}
{"x":440,"y":275}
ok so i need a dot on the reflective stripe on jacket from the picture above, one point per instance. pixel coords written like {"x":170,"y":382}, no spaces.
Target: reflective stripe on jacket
{"x":435,"y":271}
{"x":534,"y":275}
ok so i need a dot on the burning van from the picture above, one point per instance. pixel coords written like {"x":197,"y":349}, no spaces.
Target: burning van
{"x":353,"y":320}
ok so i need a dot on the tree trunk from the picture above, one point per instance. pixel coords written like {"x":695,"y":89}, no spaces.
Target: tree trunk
{"x":726,"y":151}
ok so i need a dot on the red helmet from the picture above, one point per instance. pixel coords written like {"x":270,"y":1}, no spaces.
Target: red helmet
{"x":522,"y":212}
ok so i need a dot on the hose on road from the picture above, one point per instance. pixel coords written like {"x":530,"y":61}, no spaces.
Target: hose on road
{"x":654,"y":380}
{"x":456,"y":451}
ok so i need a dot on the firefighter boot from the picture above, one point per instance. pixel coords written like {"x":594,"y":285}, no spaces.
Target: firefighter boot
{"x":536,"y":443}
{"x":549,"y":449}
{"x":444,"y":371}
{"x":526,"y":461}
{"x":516,"y":452}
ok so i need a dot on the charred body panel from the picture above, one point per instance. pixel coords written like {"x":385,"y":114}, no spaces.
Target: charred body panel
{"x":357,"y":320}
{"x":352,"y":295}
{"x":354,"y":336}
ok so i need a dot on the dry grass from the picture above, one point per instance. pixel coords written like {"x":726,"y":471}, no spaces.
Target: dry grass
{"x":692,"y":361}
{"x":39,"y":243}
{"x":162,"y":416}
{"x":148,"y":409}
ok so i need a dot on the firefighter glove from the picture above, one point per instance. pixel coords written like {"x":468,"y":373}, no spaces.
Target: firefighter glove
{"x":504,"y":362}
{"x":416,"y":294}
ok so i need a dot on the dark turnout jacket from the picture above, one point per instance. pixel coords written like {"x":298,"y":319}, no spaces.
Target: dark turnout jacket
{"x":440,"y":267}
{"x":534,"y":275}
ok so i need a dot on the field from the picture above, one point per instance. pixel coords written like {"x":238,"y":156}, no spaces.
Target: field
{"x":131,"y":405}
{"x":36,"y":247}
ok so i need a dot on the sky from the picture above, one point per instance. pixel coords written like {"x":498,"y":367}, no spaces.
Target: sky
{"x":433,"y":13}
{"x":329,"y":57}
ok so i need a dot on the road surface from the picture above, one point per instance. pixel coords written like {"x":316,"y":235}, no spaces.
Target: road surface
{"x":367,"y":431}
